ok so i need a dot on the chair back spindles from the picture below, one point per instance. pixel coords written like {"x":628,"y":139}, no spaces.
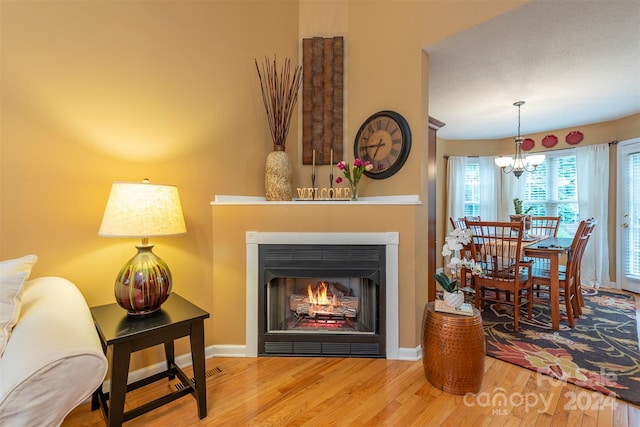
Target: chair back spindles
{"x":461,"y":222}
{"x":544,"y":226}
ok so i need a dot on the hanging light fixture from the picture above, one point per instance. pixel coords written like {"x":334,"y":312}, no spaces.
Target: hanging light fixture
{"x":519,"y":164}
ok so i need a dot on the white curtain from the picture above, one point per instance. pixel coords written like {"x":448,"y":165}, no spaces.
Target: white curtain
{"x":489,"y":181}
{"x":592,"y":170}
{"x":510,"y":188}
{"x":456,"y":167}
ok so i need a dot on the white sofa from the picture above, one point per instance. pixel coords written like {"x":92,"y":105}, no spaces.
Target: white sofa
{"x":53,"y":360}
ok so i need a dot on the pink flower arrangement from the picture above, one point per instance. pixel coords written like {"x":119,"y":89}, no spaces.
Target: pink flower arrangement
{"x":358,"y":169}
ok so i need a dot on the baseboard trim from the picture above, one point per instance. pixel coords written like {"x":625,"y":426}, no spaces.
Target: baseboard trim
{"x":227,"y":351}
{"x":411,"y":354}
{"x":184,"y":360}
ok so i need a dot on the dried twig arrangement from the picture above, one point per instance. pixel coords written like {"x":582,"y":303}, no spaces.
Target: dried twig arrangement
{"x":279,"y":95}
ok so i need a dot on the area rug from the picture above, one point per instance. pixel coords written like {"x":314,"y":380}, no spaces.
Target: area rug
{"x":600,"y":353}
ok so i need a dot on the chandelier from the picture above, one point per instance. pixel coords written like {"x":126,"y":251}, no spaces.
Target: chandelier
{"x":519,"y":164}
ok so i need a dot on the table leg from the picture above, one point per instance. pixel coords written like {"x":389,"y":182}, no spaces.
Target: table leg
{"x":95,"y":399}
{"x":554,"y":292}
{"x":197,"y":358}
{"x":119,"y":374}
{"x":169,"y":354}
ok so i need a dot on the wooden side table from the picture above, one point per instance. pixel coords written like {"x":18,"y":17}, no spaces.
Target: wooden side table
{"x":453,"y":350}
{"x":126,"y":334}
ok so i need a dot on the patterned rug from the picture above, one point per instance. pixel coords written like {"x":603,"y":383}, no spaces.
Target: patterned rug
{"x":600,"y":353}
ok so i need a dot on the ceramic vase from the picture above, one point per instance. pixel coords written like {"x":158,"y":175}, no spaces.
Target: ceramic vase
{"x":278,"y":177}
{"x":453,"y":299}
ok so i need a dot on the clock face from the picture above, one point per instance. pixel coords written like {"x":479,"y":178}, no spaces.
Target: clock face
{"x":384,"y":139}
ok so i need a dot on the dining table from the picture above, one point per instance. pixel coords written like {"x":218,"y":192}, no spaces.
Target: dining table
{"x":551,"y":248}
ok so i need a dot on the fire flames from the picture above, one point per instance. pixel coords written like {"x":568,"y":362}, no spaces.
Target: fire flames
{"x":324,"y":303}
{"x":320,"y":296}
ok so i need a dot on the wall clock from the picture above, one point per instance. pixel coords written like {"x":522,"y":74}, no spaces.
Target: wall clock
{"x":384,"y":139}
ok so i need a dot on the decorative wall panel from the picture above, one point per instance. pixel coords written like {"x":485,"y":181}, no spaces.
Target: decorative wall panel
{"x":322,"y":99}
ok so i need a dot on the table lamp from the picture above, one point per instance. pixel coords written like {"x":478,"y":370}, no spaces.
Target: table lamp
{"x":142,"y":210}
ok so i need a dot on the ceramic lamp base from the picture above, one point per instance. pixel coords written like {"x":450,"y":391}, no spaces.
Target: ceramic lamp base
{"x":144,"y":283}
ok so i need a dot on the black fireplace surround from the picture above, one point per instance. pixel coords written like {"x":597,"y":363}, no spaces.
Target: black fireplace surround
{"x":288,"y":269}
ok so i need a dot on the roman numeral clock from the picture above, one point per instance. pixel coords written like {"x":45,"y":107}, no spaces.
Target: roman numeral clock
{"x":384,"y":139}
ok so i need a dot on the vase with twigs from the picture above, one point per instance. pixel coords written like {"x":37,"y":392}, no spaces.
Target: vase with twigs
{"x":279,"y":89}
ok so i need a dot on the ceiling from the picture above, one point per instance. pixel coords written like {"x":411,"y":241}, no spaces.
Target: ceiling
{"x":573,"y":62}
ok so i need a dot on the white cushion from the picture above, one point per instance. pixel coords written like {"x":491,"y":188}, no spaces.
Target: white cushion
{"x":54,"y":359}
{"x":13,"y":274}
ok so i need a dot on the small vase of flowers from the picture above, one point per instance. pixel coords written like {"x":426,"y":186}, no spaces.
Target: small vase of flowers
{"x":353,"y":176}
{"x":450,"y":282}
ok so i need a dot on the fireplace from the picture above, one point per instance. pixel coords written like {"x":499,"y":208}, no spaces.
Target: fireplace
{"x":358,"y":279}
{"x":322,"y":300}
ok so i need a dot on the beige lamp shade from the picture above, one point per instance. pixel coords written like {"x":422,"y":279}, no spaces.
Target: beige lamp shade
{"x":142,"y":210}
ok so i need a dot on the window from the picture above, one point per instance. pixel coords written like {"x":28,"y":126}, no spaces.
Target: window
{"x":551,"y":190}
{"x":472,"y":187}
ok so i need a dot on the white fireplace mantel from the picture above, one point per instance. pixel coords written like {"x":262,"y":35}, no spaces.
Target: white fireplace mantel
{"x":411,"y":199}
{"x":389,"y":239}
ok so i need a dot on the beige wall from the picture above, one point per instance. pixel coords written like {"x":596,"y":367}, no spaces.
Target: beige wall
{"x":94,"y":92}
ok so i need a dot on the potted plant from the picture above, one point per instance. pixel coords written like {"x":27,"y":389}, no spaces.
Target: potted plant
{"x":521,"y":216}
{"x":450,"y":283}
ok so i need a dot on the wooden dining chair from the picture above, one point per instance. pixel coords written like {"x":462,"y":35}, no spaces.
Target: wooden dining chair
{"x":544,"y":226}
{"x":586,"y":235}
{"x":569,"y":275}
{"x":506,"y":278}
{"x":460,"y":223}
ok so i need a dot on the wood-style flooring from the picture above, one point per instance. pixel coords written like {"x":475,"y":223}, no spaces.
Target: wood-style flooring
{"x":296,"y":391}
{"x":281,"y":391}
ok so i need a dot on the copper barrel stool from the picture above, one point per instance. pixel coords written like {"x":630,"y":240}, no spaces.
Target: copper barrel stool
{"x":453,"y":350}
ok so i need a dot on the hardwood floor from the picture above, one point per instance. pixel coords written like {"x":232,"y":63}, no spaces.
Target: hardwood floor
{"x":294,"y":391}
{"x":282,"y":391}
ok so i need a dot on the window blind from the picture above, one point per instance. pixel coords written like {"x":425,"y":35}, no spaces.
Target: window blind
{"x":551,"y":190}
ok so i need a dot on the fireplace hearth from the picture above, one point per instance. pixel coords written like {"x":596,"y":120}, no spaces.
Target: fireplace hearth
{"x":322,"y":300}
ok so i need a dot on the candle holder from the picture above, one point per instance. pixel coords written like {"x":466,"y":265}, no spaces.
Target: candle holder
{"x":331,"y":171}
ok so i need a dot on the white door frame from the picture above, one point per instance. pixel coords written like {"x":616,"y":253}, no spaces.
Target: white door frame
{"x":623,"y":150}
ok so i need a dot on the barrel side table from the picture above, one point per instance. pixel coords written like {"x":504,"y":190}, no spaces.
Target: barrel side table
{"x":453,"y":350}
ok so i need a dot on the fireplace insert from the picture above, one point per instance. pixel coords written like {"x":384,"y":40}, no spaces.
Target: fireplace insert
{"x":321,"y":300}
